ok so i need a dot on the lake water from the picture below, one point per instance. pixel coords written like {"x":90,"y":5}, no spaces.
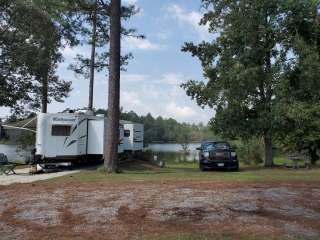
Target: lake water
{"x":164,"y":151}
{"x":12,"y":153}
{"x":172,"y":147}
{"x":174,"y":151}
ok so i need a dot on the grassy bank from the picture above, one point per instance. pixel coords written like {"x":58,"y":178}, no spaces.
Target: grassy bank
{"x":141,"y":171}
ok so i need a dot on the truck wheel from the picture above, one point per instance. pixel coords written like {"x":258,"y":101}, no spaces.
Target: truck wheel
{"x":236,"y":169}
{"x":202,"y":168}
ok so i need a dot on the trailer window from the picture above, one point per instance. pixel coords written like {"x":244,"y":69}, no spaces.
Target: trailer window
{"x":127,"y":133}
{"x":60,"y":130}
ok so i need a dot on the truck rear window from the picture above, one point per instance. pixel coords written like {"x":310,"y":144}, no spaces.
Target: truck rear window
{"x":61,"y":130}
{"x":216,"y":146}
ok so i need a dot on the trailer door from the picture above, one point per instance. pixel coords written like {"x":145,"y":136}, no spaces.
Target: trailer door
{"x":138,"y":137}
{"x":95,"y":137}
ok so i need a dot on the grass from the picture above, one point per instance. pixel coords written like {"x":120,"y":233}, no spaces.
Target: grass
{"x":20,"y":164}
{"x":190,"y":172}
{"x":187,"y":172}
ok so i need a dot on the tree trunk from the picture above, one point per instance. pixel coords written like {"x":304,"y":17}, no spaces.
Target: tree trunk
{"x":313,"y":155}
{"x":93,"y":54}
{"x":268,"y":159}
{"x":112,"y":126}
{"x":44,"y":98}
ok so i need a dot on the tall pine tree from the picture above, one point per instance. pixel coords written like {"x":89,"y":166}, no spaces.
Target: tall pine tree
{"x":92,"y":20}
{"x":112,"y":123}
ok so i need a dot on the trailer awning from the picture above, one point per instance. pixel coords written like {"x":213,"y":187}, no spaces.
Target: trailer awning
{"x":26,"y":124}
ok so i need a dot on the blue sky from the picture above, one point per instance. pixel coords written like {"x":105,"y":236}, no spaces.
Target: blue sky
{"x":151,"y":82}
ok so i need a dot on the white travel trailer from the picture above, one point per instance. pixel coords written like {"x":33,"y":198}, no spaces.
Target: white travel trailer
{"x":69,"y":137}
{"x":133,"y":136}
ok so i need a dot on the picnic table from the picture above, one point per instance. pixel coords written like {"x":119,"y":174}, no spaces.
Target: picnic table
{"x":5,"y":166}
{"x":295,"y":158}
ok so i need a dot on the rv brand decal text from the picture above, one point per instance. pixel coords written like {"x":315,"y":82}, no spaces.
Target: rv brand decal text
{"x":63,"y":119}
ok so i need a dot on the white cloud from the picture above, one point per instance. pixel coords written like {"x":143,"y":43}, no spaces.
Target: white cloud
{"x":132,"y":43}
{"x":172,"y":79}
{"x":192,"y":19}
{"x":100,"y":81}
{"x":167,"y":79}
{"x":184,"y":112}
{"x":160,"y":96}
{"x":164,"y":35}
{"x":139,"y":11}
{"x":133,"y":78}
{"x":75,"y":93}
{"x":70,"y":52}
{"x":131,"y":98}
{"x":4,"y":112}
{"x":131,"y":2}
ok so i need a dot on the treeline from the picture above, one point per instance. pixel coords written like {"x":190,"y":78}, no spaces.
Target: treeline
{"x":167,"y":130}
{"x":157,"y":129}
{"x":262,"y":73}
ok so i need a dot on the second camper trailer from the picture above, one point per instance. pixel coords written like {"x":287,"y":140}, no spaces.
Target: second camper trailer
{"x":133,"y":136}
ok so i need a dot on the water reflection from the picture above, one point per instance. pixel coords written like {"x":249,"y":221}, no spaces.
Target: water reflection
{"x":14,"y":153}
{"x":175,"y":152}
{"x":164,"y":151}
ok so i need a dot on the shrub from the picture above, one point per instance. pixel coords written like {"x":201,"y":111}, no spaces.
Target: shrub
{"x":250,"y":151}
{"x":144,"y":155}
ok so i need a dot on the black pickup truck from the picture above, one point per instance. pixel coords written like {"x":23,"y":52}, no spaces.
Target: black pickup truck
{"x":217,"y":155}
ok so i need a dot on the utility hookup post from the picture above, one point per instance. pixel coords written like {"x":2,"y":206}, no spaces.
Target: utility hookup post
{"x":160,"y":163}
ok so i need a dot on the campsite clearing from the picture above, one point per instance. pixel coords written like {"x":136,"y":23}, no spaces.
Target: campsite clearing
{"x":132,"y":210}
{"x":141,"y":171}
{"x":90,"y":205}
{"x":22,"y":176}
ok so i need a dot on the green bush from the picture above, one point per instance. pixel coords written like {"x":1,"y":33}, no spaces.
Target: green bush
{"x":144,"y":156}
{"x":102,"y":169}
{"x":250,"y":151}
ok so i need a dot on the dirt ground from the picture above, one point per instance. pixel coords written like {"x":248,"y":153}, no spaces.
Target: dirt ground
{"x":139,"y":210}
{"x":23,"y":176}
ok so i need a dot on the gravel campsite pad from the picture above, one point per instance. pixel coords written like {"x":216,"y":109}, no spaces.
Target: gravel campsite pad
{"x":136,"y":210}
{"x":23,"y":176}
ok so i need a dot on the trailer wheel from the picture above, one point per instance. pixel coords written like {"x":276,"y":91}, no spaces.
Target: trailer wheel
{"x":70,"y":167}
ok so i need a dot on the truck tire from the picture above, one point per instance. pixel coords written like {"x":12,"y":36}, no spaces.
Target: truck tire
{"x":201,"y":167}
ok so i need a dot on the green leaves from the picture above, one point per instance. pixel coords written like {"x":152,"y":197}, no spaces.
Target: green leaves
{"x":266,"y":53}
{"x":298,"y":124}
{"x":30,"y":42}
{"x":82,"y":20}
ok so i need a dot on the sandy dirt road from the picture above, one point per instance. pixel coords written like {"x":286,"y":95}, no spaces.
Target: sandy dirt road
{"x":145,"y":210}
{"x":23,"y":176}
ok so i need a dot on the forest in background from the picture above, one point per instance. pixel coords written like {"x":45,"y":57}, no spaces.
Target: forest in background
{"x":159,"y":129}
{"x":156,"y":129}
